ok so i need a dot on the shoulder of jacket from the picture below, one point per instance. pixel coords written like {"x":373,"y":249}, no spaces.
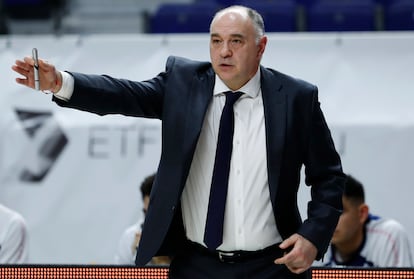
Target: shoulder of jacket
{"x":287,"y":79}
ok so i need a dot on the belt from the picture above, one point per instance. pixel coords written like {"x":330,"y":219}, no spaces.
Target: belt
{"x":238,"y":256}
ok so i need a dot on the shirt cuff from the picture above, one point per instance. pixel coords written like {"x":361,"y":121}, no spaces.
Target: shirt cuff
{"x":66,"y":91}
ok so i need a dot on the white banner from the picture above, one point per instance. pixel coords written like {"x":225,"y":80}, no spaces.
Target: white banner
{"x":75,"y":176}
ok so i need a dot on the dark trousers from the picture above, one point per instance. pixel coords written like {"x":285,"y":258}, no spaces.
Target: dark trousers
{"x":193,"y":263}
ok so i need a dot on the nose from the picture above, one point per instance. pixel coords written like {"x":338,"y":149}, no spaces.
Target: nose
{"x":225,"y":50}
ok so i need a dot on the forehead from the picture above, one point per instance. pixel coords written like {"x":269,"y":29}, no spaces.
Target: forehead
{"x":231,"y":23}
{"x":349,"y":204}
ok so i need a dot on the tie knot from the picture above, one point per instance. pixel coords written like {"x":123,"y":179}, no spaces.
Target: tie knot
{"x":232,"y":97}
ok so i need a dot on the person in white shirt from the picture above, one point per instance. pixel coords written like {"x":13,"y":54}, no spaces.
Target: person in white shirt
{"x":129,"y":241}
{"x":362,"y":239}
{"x":14,"y":243}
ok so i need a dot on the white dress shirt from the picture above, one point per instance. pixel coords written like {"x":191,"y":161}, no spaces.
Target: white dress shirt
{"x":127,"y":251}
{"x":249,"y":222}
{"x":66,"y":91}
{"x":14,"y":243}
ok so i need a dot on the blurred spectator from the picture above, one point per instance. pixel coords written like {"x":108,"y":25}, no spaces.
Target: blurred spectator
{"x":28,"y":9}
{"x":3,"y":23}
{"x":362,"y":239}
{"x":14,"y":243}
{"x":127,"y":247}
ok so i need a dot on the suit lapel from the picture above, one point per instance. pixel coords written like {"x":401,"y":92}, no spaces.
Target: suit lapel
{"x":274,"y":102}
{"x":200,"y":97}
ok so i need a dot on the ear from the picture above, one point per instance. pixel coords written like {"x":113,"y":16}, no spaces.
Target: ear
{"x":262,"y":46}
{"x":363,"y":213}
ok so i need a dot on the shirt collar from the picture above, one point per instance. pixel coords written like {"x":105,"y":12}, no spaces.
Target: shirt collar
{"x":251,"y":88}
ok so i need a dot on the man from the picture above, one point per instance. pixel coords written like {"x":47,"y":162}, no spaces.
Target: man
{"x":362,"y":239}
{"x":128,"y":244}
{"x":278,"y":127}
{"x":14,"y":243}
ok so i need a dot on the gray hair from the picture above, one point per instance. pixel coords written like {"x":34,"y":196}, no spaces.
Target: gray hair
{"x":256,"y":18}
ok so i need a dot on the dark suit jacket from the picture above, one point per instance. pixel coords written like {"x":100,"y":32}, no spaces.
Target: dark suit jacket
{"x":296,"y":135}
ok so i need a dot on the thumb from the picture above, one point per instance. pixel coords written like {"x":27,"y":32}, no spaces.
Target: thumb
{"x":45,"y":65}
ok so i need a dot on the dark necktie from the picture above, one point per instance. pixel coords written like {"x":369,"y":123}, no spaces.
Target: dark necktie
{"x":213,"y":234}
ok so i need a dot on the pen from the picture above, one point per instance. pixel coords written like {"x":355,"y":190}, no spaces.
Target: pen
{"x":36,"y":69}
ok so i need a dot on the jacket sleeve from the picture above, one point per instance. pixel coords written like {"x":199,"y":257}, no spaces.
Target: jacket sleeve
{"x":103,"y":94}
{"x":324,"y":174}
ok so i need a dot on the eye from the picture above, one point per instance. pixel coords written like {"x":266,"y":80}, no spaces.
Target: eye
{"x":236,"y":43}
{"x":216,"y":41}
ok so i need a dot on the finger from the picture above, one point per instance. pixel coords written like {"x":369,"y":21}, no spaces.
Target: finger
{"x":22,"y":81}
{"x":23,"y":65}
{"x":20,"y":70}
{"x":45,"y":65}
{"x":290,"y":255}
{"x":287,"y":243}
{"x":29,"y":60}
{"x":281,"y":260}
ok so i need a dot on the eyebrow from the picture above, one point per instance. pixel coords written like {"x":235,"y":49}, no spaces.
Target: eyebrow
{"x":237,"y":35}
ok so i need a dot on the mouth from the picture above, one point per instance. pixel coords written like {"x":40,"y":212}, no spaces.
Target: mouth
{"x":225,"y":66}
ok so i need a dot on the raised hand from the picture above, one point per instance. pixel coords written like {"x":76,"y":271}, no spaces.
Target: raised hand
{"x":50,"y":78}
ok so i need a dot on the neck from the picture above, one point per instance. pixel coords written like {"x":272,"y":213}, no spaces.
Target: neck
{"x":347,"y":249}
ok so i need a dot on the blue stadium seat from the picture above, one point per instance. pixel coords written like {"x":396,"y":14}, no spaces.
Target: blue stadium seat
{"x":306,"y":3}
{"x":385,"y":2}
{"x":22,"y":2}
{"x":341,"y":15}
{"x":183,"y":18}
{"x":278,"y":15}
{"x":399,"y":15}
{"x":223,"y":3}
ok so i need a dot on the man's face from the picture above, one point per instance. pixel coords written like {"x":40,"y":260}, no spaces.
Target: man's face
{"x":351,"y":223}
{"x":234,"y":53}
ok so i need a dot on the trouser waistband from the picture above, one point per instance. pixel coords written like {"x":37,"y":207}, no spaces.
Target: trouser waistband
{"x":237,"y":256}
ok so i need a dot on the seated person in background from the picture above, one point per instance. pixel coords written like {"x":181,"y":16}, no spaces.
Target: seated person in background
{"x":127,"y":248}
{"x":14,"y":243}
{"x":365,"y":240}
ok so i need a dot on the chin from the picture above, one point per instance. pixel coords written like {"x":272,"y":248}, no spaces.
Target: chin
{"x":226,"y":78}
{"x":335,"y":239}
